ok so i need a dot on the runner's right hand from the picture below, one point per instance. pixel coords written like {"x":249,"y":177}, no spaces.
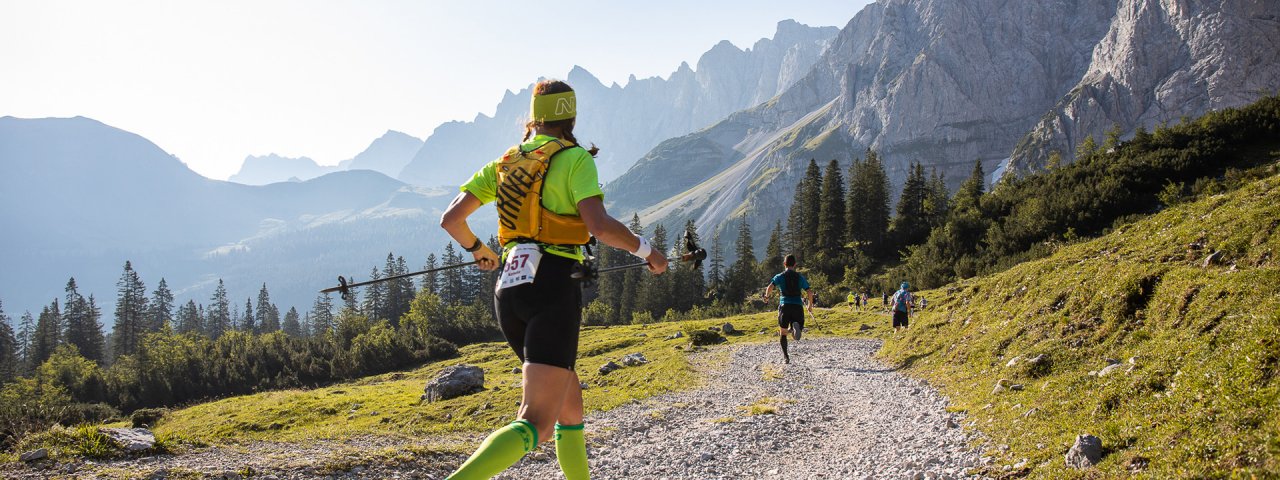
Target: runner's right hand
{"x":485,"y":258}
{"x":657,"y":262}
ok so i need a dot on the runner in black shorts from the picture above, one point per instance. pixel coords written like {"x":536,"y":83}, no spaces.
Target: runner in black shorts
{"x":791,"y":286}
{"x":902,"y":303}
{"x":549,"y":203}
{"x":540,"y":320}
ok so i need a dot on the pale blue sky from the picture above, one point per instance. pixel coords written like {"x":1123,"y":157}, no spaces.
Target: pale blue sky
{"x":214,"y":81}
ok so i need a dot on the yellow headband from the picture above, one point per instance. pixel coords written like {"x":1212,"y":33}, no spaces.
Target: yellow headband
{"x":556,"y":106}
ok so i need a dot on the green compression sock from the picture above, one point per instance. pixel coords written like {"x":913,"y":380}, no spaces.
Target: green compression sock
{"x":571,"y":451}
{"x":504,"y":447}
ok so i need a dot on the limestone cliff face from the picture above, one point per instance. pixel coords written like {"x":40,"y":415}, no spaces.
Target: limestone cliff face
{"x":627,"y":121}
{"x":1162,"y":60}
{"x":948,"y":82}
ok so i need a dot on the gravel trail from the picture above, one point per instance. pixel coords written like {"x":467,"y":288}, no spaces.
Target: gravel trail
{"x":835,"y":412}
{"x":839,"y":413}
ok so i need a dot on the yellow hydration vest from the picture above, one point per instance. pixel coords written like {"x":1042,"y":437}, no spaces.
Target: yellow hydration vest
{"x":521,"y":215}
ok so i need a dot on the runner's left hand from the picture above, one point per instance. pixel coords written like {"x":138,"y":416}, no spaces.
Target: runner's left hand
{"x":485,"y":258}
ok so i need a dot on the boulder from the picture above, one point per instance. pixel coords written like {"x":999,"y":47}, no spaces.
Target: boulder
{"x":1109,"y":368}
{"x":455,"y":381}
{"x":864,"y":327}
{"x":130,"y":439}
{"x":634,"y":360}
{"x":1013,"y":361}
{"x":37,"y":454}
{"x":1086,"y":452}
{"x":1212,"y":259}
{"x":1001,"y":385}
{"x":609,"y":367}
{"x":728,"y":328}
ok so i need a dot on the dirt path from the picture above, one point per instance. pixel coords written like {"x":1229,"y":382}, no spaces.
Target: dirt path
{"x":835,"y":412}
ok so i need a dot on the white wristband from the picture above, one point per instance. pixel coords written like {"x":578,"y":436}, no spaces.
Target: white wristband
{"x":644,"y":250}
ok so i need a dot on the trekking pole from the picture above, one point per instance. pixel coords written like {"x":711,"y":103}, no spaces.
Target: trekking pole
{"x":694,"y":254}
{"x":345,"y":288}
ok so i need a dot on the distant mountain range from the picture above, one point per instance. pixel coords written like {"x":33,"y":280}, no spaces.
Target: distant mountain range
{"x":78,"y":198}
{"x":947,"y":82}
{"x":627,"y":121}
{"x":386,"y":155}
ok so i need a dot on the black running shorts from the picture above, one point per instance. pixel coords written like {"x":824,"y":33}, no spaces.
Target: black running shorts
{"x":900,"y":319}
{"x":790,"y":313}
{"x":540,"y":320}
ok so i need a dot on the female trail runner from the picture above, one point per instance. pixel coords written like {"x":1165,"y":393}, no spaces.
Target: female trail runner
{"x":549,"y":204}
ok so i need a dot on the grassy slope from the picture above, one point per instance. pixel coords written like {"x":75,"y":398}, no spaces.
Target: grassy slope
{"x":1203,"y":399}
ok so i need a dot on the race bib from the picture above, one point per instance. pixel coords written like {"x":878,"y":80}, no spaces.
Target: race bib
{"x":522,"y":265}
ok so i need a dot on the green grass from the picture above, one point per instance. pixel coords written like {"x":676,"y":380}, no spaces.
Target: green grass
{"x":389,"y":404}
{"x":1202,"y":397}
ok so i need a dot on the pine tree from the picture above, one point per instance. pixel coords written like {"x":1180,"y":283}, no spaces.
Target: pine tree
{"x":632,"y":281}
{"x":970,"y":192}
{"x":773,"y":252}
{"x":400,"y":292}
{"x":831,"y":215}
{"x":291,"y":325}
{"x":247,"y":321}
{"x":937,"y":201}
{"x":431,"y":281}
{"x":219,"y":321}
{"x":131,"y":311}
{"x":910,"y":226}
{"x":321,"y":316}
{"x":802,"y":223}
{"x":48,"y":334}
{"x":188,"y":318}
{"x":9,"y":359}
{"x":716,"y":273}
{"x":453,"y":288}
{"x":26,"y":337}
{"x":82,"y":327}
{"x":655,"y":291}
{"x":375,"y":296}
{"x":609,"y":286}
{"x":268,"y":317}
{"x":688,"y":284}
{"x":743,"y":271}
{"x":160,"y":316}
{"x":868,"y":205}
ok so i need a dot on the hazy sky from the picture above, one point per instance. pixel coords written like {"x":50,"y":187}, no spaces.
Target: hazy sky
{"x":214,"y":81}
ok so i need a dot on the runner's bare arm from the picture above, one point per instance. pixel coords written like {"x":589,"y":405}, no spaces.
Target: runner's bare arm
{"x":613,"y":233}
{"x":454,"y":221}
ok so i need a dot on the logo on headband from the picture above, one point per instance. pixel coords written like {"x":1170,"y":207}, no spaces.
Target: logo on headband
{"x":565,"y":106}
{"x":553,"y":107}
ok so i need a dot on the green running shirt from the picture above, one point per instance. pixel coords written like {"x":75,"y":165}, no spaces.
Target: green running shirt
{"x":571,"y":178}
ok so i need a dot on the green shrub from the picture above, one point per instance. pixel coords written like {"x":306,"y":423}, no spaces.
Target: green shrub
{"x":148,"y":417}
{"x":700,"y":337}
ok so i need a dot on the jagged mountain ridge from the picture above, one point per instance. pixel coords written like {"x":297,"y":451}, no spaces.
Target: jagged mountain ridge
{"x":942,"y":82}
{"x":1197,"y":56}
{"x":78,"y":198}
{"x":626,"y":121}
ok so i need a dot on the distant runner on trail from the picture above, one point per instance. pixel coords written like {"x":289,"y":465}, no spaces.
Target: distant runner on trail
{"x":902,"y":303}
{"x":549,"y":203}
{"x":792,"y":286}
{"x":855,"y":302}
